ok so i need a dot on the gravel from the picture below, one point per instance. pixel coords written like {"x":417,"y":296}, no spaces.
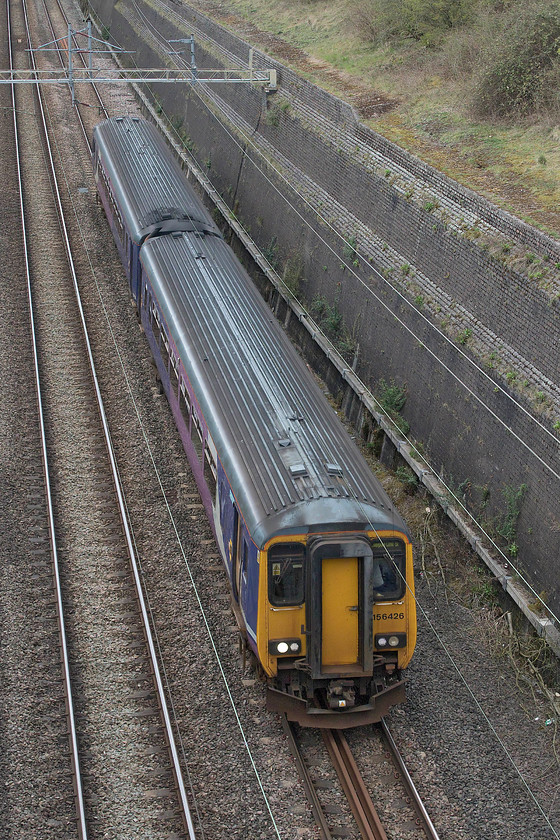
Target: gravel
{"x":237,"y":765}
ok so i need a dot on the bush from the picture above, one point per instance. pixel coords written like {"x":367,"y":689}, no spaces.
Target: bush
{"x":518,"y":79}
{"x":423,"y":20}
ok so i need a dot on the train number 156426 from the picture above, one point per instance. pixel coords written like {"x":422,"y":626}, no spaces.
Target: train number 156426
{"x":387,"y":616}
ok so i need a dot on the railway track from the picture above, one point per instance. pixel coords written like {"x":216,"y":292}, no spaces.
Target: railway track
{"x":409,"y":819}
{"x":39,"y":794}
{"x":100,"y":688}
{"x":128,"y":783}
{"x":95,"y":588}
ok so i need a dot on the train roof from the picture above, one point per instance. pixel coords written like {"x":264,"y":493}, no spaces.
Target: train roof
{"x":289,"y":459}
{"x":149,"y":185}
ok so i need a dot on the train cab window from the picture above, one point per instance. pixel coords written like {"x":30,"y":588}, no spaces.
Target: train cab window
{"x":286,"y":574}
{"x":388,"y":570}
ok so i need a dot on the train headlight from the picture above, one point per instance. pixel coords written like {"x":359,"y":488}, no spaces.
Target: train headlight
{"x":280,"y":647}
{"x":394,"y":640}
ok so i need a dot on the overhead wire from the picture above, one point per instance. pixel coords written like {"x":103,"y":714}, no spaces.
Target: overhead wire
{"x":185,"y":559}
{"x":248,"y":139}
{"x":509,"y":562}
{"x":399,"y":294}
{"x":446,"y":338}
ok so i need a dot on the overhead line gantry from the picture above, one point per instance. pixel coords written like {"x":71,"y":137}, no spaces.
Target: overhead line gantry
{"x":70,"y":75}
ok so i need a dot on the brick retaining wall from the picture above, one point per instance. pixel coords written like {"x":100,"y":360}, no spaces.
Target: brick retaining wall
{"x":362,"y":181}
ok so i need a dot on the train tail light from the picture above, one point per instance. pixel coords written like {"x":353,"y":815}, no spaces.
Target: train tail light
{"x":390,"y":640}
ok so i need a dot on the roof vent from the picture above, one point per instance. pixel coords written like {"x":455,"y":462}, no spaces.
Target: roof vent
{"x":297,"y":469}
{"x":284,"y":442}
{"x":334,"y":469}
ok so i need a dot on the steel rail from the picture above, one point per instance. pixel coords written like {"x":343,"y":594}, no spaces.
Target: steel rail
{"x":416,"y":801}
{"x":75,"y":759}
{"x":117,"y":484}
{"x":353,"y":785}
{"x":311,"y":793}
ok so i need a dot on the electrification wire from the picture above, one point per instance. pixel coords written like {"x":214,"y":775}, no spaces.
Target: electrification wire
{"x":173,"y":524}
{"x":399,"y":294}
{"x":432,"y":627}
{"x":248,"y":139}
{"x":441,"y":334}
{"x":250,"y":142}
{"x":177,"y":534}
{"x":192,"y":579}
{"x":454,"y":664}
{"x":162,"y":666}
{"x":480,"y":370}
{"x":507,"y":560}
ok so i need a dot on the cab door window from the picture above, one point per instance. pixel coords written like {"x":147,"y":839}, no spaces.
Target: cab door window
{"x":286,"y":574}
{"x":388,"y":570}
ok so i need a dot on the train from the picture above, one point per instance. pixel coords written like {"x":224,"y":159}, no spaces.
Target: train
{"x":318,"y":559}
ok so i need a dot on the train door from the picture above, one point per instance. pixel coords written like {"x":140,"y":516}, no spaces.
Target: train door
{"x":340,"y":611}
{"x":339,"y":606}
{"x":236,"y":555}
{"x":133,"y":267}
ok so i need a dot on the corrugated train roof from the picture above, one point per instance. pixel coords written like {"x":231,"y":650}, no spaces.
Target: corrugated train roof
{"x":149,"y":185}
{"x":286,"y":453}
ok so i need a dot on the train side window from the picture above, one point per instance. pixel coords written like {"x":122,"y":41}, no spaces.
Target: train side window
{"x":196,"y":433}
{"x":164,"y":345}
{"x":210,"y":473}
{"x":154,"y":320}
{"x":245,"y":562}
{"x":286,"y":574}
{"x":241,"y":570}
{"x":388,"y":570}
{"x":224,"y":495}
{"x":185,"y":405}
{"x":173,"y":372}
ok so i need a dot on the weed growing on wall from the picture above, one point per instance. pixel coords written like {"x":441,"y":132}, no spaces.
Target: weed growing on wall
{"x":392,"y":398}
{"x":270,"y":253}
{"x":293,"y":273}
{"x":507,"y":526}
{"x":331,"y":322}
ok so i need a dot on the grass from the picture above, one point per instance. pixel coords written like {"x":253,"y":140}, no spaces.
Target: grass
{"x":517,"y":166}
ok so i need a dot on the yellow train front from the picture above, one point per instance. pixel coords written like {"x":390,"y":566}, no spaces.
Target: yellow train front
{"x":337,"y":624}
